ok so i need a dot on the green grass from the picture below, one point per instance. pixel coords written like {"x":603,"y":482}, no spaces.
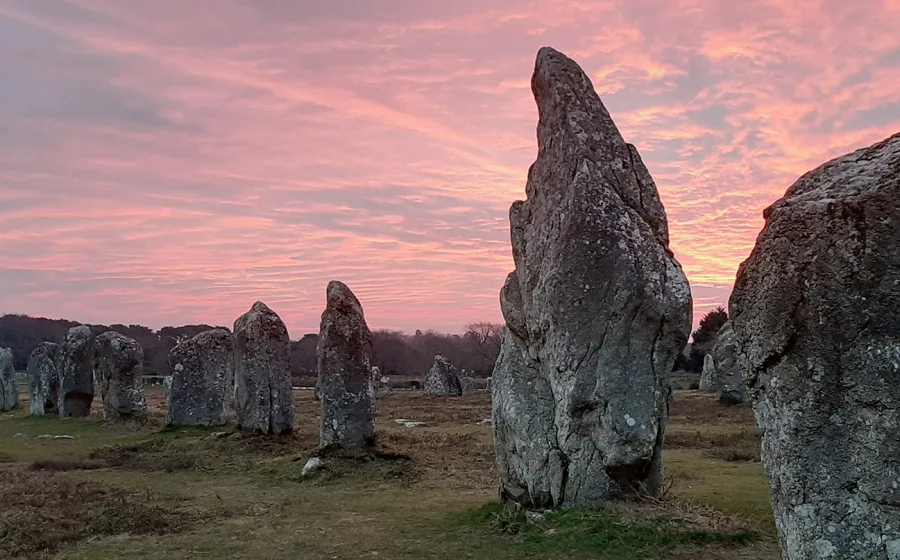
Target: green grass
{"x":594,"y":534}
{"x":732,"y":488}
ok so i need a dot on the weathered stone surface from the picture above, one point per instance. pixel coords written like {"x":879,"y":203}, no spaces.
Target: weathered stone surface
{"x":43,"y":379}
{"x":118,"y":368}
{"x":264,"y":400}
{"x":467,"y":385}
{"x":9,"y":392}
{"x":345,"y":371}
{"x":597,"y":310}
{"x":76,"y":370}
{"x":721,"y":372}
{"x":442,"y":379}
{"x":816,"y":316}
{"x":202,"y":380}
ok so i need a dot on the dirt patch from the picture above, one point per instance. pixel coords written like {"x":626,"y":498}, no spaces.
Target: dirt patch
{"x":43,"y":512}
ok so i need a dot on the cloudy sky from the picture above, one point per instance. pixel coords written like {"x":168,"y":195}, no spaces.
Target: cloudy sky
{"x":173,"y":161}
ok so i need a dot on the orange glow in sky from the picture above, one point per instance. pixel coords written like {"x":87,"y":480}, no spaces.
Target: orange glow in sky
{"x":171,"y":162}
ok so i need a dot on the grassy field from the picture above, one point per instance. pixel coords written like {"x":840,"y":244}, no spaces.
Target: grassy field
{"x":140,"y":491}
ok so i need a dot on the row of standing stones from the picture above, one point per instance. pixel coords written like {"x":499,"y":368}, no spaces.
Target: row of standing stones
{"x":598,"y":307}
{"x":215,"y":370}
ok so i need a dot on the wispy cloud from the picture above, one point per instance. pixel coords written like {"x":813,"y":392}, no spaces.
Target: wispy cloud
{"x":161,"y":166}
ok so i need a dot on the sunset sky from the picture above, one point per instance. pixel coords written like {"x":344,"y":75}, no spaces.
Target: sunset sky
{"x":170,"y":162}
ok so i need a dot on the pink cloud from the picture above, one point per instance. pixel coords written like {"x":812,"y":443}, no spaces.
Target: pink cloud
{"x":164,"y":167}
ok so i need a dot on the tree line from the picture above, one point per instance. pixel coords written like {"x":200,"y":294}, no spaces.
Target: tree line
{"x":394,"y":352}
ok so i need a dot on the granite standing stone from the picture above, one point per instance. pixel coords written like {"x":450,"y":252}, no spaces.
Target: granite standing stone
{"x":43,"y":379}
{"x":345,"y":372}
{"x":202,"y":380}
{"x":442,"y":380}
{"x":76,"y":382}
{"x":264,"y":399}
{"x":597,"y":309}
{"x":119,"y":369}
{"x":816,"y":316}
{"x":9,"y":391}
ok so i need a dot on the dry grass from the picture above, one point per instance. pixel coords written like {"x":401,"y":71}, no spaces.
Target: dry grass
{"x":43,"y":512}
{"x":401,"y":501}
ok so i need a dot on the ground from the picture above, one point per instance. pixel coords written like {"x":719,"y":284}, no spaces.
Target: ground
{"x":140,"y":491}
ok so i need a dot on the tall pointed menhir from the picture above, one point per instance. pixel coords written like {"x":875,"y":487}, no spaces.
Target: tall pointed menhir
{"x":596,"y":309}
{"x":345,"y":372}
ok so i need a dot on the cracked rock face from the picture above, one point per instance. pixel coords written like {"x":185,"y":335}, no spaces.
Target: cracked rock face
{"x":43,"y":379}
{"x":816,"y":316}
{"x":119,"y":369}
{"x":597,"y":310}
{"x":345,"y":372}
{"x":9,"y":391}
{"x":721,"y":372}
{"x":202,"y":380}
{"x":76,"y":371}
{"x":263,"y":398}
{"x":442,"y":380}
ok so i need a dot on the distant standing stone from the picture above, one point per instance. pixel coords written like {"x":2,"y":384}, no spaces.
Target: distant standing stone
{"x":119,"y":367}
{"x":708,"y":379}
{"x":816,"y":315}
{"x":43,"y":379}
{"x":9,"y":392}
{"x":76,"y":382}
{"x":345,"y":372}
{"x":467,"y":385}
{"x":202,"y":380}
{"x":721,"y":372}
{"x":264,"y":400}
{"x":442,"y":379}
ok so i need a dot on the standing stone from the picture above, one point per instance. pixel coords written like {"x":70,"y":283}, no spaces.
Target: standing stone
{"x":381,"y":383}
{"x":708,"y":380}
{"x":202,"y":380}
{"x":9,"y":391}
{"x":345,"y":375}
{"x":442,"y":379}
{"x":467,"y":385}
{"x":119,"y":367}
{"x":264,"y":400}
{"x":76,"y":382}
{"x":43,"y":379}
{"x":816,"y":315}
{"x":721,"y":372}
{"x":597,"y":309}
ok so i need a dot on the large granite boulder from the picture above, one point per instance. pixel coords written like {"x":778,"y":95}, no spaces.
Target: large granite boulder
{"x":202,"y":380}
{"x":43,"y":379}
{"x":119,"y":368}
{"x":9,"y":391}
{"x":76,"y":374}
{"x":721,"y":372}
{"x":264,"y":400}
{"x":345,"y":372}
{"x":597,"y":309}
{"x":442,"y":380}
{"x":816,"y":316}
